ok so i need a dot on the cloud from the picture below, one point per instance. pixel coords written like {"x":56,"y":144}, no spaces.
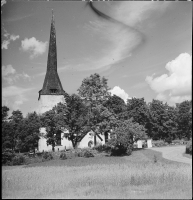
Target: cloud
{"x":175,"y":86}
{"x":33,"y":46}
{"x":119,"y":92}
{"x":6,"y":43}
{"x":118,"y":40}
{"x":3,"y":2}
{"x":8,"y":70}
{"x":10,"y":75}
{"x":14,"y":97}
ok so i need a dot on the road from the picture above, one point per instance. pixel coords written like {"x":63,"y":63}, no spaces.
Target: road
{"x":174,"y":153}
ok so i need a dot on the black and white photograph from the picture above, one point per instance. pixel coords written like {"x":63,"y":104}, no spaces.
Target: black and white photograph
{"x":96,"y":99}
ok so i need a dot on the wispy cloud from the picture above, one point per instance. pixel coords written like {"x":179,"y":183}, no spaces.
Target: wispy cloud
{"x":175,"y":86}
{"x":119,"y":39}
{"x":8,"y":39}
{"x":10,"y":75}
{"x":33,"y":46}
{"x":14,"y":97}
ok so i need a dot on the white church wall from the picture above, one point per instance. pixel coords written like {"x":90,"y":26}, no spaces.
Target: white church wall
{"x":47,"y":102}
{"x":84,"y":142}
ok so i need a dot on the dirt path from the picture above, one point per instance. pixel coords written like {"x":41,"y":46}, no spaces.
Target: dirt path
{"x":173,"y":153}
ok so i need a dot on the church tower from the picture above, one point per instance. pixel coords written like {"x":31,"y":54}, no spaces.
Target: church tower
{"x":52,"y":91}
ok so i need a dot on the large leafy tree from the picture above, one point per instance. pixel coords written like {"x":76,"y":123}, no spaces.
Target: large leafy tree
{"x":164,"y":120}
{"x":72,"y":116}
{"x":115,"y":105}
{"x":6,"y":137}
{"x":14,"y":122}
{"x":94,"y":91}
{"x":138,"y":110}
{"x":124,"y":134}
{"x":29,"y":132}
{"x":184,"y":119}
{"x":49,"y":121}
{"x":94,"y":88}
{"x":5,"y":111}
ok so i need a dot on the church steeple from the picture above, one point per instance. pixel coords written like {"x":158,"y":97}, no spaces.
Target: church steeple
{"x":52,"y":84}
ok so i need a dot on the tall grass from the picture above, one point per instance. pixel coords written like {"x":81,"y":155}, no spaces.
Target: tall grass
{"x":99,"y":181}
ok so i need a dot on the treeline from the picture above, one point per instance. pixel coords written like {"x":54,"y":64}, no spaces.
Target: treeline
{"x":93,"y":108}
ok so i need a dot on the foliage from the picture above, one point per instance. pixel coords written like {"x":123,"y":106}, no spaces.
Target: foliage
{"x":18,"y":160}
{"x":63,"y":156}
{"x":94,"y":88}
{"x":5,"y":110}
{"x":29,"y":132}
{"x":184,"y":119}
{"x":124,"y":135}
{"x":189,"y":147}
{"x":115,"y":105}
{"x":7,"y":156}
{"x":85,"y":153}
{"x":50,"y":121}
{"x":94,"y":91}
{"x":163,"y":120}
{"x":101,"y":148}
{"x":47,"y":156}
{"x":72,"y":117}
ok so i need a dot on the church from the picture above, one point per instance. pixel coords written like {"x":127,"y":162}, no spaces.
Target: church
{"x":51,"y":94}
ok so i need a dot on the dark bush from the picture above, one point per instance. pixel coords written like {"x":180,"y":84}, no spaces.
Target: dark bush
{"x":118,"y":150}
{"x":189,"y":147}
{"x":63,"y":156}
{"x":47,"y":156}
{"x":18,"y":160}
{"x":101,"y":148}
{"x":7,"y":156}
{"x":84,"y":153}
{"x":87,"y":154}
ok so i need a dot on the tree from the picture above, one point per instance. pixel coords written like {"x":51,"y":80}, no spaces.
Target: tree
{"x":115,"y":105}
{"x":29,"y":132}
{"x":138,"y":110}
{"x":124,"y":135}
{"x":72,"y":116}
{"x":164,"y":120}
{"x":184,"y":119}
{"x":49,"y":121}
{"x":6,"y":143}
{"x":94,"y":88}
{"x":95,"y":91}
{"x":14,"y":121}
{"x":5,"y":110}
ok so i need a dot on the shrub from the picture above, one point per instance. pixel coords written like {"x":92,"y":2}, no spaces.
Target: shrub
{"x":158,"y":143}
{"x":18,"y":160}
{"x":84,"y":153}
{"x":101,"y":148}
{"x":189,"y":147}
{"x":63,"y":156}
{"x":7,"y":156}
{"x":47,"y":156}
{"x":87,"y":154}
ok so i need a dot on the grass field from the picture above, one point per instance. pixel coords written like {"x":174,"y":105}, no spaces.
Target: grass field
{"x":144,"y":174}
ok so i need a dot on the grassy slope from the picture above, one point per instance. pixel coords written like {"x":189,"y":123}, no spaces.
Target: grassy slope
{"x":135,"y":176}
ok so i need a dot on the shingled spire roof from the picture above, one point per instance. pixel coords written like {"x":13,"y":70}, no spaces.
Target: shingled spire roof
{"x":52,"y":84}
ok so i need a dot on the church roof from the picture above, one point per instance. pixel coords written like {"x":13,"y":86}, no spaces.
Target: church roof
{"x":52,"y":84}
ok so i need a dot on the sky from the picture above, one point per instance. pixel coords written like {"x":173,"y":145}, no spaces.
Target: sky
{"x":143,"y":48}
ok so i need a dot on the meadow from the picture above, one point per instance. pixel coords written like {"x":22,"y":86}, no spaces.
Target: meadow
{"x":143,"y":175}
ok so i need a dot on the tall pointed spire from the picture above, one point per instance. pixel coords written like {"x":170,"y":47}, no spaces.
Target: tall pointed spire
{"x":52,"y":84}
